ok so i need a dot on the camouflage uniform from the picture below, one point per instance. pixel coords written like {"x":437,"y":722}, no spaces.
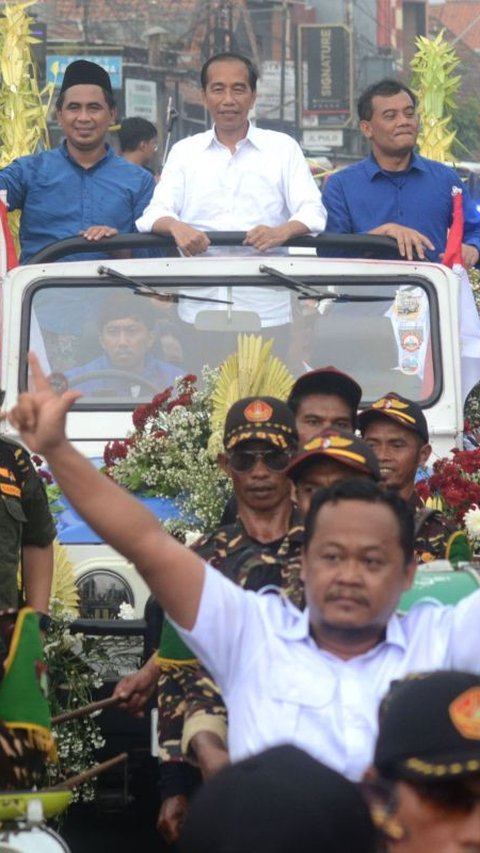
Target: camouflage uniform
{"x":25,"y":517}
{"x":186,"y":691}
{"x":433,"y":538}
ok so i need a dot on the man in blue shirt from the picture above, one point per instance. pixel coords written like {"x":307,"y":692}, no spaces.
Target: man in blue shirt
{"x":127,"y":366}
{"x":395,"y":191}
{"x":71,"y":189}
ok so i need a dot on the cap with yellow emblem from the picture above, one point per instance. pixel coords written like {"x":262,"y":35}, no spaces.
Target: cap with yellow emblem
{"x":260,"y":418}
{"x":430,"y":727}
{"x":404,"y":412}
{"x":338,"y":444}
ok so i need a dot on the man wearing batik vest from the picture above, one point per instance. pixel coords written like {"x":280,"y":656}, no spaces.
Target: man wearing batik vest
{"x":27,"y":531}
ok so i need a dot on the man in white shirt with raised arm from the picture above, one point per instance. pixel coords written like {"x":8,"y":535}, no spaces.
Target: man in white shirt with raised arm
{"x":313,"y":678}
{"x":234,"y":177}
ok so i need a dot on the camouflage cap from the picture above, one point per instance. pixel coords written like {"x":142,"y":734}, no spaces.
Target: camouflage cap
{"x":405,"y":412}
{"x":260,"y":418}
{"x":430,"y":727}
{"x":328,"y":380}
{"x":338,"y":444}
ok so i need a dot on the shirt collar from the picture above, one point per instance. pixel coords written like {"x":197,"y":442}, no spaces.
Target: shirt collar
{"x":298,"y":628}
{"x":238,"y":536}
{"x":373,"y":169}
{"x":252,"y":136}
{"x":109,"y":153}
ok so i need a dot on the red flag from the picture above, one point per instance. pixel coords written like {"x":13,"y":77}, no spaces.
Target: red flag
{"x":8,"y":253}
{"x":453,"y":249}
{"x":469,"y":320}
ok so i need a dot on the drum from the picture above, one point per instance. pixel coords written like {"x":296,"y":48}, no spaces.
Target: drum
{"x":21,"y":838}
{"x":21,"y":821}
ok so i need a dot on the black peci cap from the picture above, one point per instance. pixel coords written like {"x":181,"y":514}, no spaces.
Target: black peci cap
{"x":82,"y":72}
{"x":281,"y":801}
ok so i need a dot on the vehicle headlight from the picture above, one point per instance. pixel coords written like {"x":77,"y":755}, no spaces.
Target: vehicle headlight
{"x":102,"y":592}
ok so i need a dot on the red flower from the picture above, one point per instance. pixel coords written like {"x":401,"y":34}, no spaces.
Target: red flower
{"x":422,"y":490}
{"x":141,"y":415}
{"x":115,"y":450}
{"x":452,"y":481}
{"x":162,"y":398}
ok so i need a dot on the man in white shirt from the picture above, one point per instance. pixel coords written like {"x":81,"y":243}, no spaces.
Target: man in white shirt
{"x":234,"y":177}
{"x":314,"y":679}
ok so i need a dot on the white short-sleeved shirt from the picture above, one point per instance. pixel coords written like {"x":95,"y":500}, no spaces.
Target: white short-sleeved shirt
{"x":280,"y":687}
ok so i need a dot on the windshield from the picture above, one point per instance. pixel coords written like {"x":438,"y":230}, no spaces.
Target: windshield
{"x":120,"y":348}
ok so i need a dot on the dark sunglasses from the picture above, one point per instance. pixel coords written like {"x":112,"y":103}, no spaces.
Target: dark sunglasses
{"x":245,"y":460}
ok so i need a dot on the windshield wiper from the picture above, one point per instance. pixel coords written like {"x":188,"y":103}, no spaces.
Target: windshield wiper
{"x":142,"y":289}
{"x":298,"y":286}
{"x":306,"y":291}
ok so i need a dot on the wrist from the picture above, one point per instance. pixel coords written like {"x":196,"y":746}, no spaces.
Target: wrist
{"x":60,"y":450}
{"x":295,"y":228}
{"x":152,"y":666}
{"x":44,"y":620}
{"x":203,"y":742}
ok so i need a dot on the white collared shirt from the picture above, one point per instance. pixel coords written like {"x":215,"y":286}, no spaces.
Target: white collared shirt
{"x":280,"y":687}
{"x":266,"y":181}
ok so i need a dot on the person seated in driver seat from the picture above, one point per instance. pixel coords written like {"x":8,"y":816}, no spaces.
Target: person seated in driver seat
{"x":126,"y":367}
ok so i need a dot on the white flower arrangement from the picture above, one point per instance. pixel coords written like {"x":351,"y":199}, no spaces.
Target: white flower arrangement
{"x":74,"y":671}
{"x":126,"y":611}
{"x":472,"y":524}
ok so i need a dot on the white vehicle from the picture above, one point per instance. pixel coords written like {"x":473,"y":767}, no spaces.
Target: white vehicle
{"x":393,"y":325}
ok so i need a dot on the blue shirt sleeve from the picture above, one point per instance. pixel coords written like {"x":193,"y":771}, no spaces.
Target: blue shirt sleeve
{"x":144,"y":196}
{"x":471,"y":221}
{"x":338,"y":217}
{"x":12,"y":179}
